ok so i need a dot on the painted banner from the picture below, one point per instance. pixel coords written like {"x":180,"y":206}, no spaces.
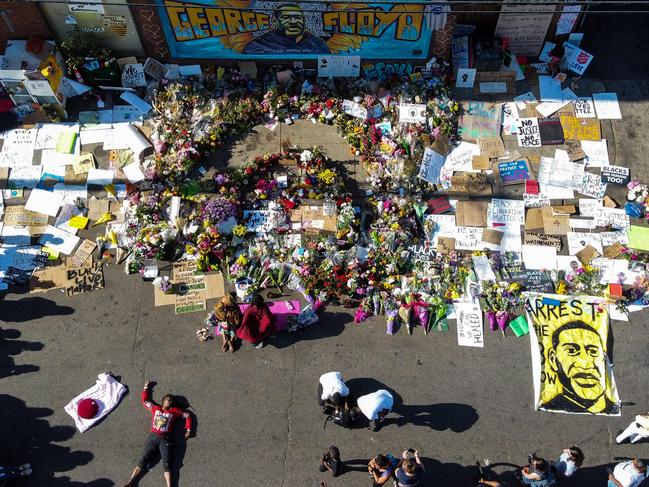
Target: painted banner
{"x":251,"y":29}
{"x":570,"y":362}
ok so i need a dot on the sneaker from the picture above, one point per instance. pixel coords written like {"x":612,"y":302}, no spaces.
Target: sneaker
{"x":259,"y":345}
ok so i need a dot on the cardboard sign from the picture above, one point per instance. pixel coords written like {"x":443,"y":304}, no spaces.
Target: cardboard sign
{"x":445,"y":245}
{"x":575,"y":150}
{"x":616,"y":175}
{"x":472,"y":127}
{"x":534,"y":238}
{"x":492,"y":147}
{"x":528,"y":133}
{"x":84,"y":279}
{"x":471,"y":213}
{"x":580,"y":128}
{"x":555,"y":224}
{"x":587,"y":254}
{"x":614,"y":251}
{"x":480,"y":163}
{"x":411,"y":113}
{"x":526,"y":31}
{"x":513,"y":172}
{"x":473,"y":183}
{"x":83,"y":252}
{"x":551,"y":131}
{"x":492,"y":236}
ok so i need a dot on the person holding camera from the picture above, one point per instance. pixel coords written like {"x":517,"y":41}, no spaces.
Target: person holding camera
{"x":331,"y":461}
{"x":381,"y":468}
{"x":410,"y":470}
{"x":538,"y":473}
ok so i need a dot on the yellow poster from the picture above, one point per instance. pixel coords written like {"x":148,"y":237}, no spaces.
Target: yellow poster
{"x":570,"y":362}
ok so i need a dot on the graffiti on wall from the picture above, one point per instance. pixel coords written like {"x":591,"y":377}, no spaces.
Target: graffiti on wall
{"x":249,"y":29}
{"x":385,"y":71}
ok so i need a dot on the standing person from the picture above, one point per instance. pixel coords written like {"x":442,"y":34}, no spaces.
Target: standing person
{"x":8,"y":473}
{"x":538,"y":474}
{"x":159,"y":440}
{"x":410,"y":471}
{"x":257,"y":324}
{"x":228,"y":316}
{"x":332,"y":392}
{"x":376,"y":406}
{"x":380,"y":468}
{"x":570,"y":460}
{"x":636,"y":431}
{"x":627,"y":474}
{"x":331,"y":461}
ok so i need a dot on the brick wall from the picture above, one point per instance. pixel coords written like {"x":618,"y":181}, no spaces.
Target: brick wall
{"x":442,"y":40}
{"x":20,"y":20}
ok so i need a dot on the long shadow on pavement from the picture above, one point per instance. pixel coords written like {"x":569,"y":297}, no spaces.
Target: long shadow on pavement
{"x":33,"y":308}
{"x":10,"y":346}
{"x":29,"y":438}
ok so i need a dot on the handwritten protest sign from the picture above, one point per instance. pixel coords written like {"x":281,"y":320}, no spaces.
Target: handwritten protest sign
{"x":580,"y":128}
{"x":506,"y":212}
{"x":534,"y":238}
{"x":133,"y":75}
{"x":592,"y":185}
{"x":431,"y":166}
{"x":607,"y":106}
{"x":84,"y":279}
{"x":469,"y":325}
{"x":512,"y":172}
{"x":528,"y":133}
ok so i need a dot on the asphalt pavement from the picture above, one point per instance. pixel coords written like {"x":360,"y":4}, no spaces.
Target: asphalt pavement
{"x":258,"y":423}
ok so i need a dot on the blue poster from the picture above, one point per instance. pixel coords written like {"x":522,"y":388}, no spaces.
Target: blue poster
{"x":251,"y":29}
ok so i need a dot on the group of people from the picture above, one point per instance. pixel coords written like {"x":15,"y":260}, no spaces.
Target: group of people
{"x":254,"y":325}
{"x":339,"y":404}
{"x":408,"y":471}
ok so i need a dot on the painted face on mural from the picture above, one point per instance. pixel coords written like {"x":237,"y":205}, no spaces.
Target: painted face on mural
{"x":578,"y":359}
{"x":291,"y":20}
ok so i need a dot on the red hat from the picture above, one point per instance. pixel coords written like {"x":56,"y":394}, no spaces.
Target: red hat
{"x":87,"y":408}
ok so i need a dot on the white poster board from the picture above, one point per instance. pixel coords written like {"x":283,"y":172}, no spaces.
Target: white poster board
{"x":339,"y":66}
{"x":469,"y":325}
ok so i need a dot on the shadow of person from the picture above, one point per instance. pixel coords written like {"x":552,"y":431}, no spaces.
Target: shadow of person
{"x":448,"y":474}
{"x":10,"y":346}
{"x":178,"y":436}
{"x":442,"y":416}
{"x":29,"y":438}
{"x":27,"y":309}
{"x":330,"y":324}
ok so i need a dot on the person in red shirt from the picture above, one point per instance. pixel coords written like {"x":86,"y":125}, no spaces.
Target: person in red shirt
{"x":257,"y":324}
{"x":159,"y":440}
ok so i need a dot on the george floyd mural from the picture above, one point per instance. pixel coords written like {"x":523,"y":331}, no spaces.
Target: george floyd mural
{"x":248,"y":29}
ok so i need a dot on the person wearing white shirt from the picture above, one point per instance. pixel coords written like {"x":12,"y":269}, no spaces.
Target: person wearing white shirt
{"x":569,"y":461}
{"x":636,"y":431}
{"x":332,"y":392}
{"x":376,"y":406}
{"x":628,"y":474}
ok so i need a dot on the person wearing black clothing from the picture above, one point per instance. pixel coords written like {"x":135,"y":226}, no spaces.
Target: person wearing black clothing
{"x":331,"y":461}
